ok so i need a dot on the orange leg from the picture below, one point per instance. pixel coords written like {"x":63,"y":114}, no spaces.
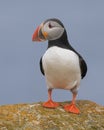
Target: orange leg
{"x":72,"y":107}
{"x":50,"y":103}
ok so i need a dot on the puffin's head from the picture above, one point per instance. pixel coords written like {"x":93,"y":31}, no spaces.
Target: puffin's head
{"x":51,"y":29}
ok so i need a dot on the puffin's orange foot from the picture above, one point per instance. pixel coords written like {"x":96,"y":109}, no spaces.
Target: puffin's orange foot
{"x":50,"y":104}
{"x":71,"y":108}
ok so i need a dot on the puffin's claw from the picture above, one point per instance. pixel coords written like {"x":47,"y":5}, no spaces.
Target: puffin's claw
{"x":50,"y":104}
{"x":72,"y":108}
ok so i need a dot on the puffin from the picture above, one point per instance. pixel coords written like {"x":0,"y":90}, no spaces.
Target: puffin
{"x":62,"y":66}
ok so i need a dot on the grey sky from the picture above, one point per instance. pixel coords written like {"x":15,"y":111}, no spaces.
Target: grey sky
{"x":20,"y":77}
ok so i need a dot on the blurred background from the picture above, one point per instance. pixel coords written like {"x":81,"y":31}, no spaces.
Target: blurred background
{"x":20,"y":78}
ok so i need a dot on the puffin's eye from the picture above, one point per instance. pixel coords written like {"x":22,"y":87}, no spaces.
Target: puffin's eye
{"x":50,"y":26}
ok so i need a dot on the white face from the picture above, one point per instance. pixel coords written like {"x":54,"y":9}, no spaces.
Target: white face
{"x":53,"y":29}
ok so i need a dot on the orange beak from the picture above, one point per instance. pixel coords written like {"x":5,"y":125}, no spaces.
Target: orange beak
{"x":35,"y":36}
{"x":39,"y":35}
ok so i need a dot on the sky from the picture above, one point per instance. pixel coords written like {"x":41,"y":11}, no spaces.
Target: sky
{"x":20,"y":78}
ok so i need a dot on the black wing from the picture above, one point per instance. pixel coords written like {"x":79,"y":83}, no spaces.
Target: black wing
{"x":83,"y":65}
{"x":41,"y":67}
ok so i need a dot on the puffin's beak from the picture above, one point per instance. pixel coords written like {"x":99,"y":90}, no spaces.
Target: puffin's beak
{"x":35,"y":36}
{"x":38,"y":35}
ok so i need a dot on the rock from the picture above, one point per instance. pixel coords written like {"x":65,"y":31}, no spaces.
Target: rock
{"x":35,"y":117}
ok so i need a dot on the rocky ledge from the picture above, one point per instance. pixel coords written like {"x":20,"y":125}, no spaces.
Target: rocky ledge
{"x":35,"y":117}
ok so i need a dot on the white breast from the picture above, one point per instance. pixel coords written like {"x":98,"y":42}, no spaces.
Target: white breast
{"x":61,"y":67}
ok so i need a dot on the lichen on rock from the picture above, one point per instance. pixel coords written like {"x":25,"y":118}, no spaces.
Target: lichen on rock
{"x":35,"y":117}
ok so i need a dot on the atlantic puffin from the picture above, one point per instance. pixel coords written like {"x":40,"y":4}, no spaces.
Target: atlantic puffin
{"x":62,"y":66}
